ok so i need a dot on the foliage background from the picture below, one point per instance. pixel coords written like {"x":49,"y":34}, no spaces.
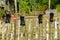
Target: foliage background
{"x":29,"y":6}
{"x":37,"y":5}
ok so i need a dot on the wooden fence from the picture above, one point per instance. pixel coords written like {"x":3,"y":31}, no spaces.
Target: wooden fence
{"x":32,"y":30}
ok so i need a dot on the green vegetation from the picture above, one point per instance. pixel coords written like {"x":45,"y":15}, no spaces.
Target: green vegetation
{"x":27,"y":5}
{"x":2,"y":12}
{"x":58,"y":8}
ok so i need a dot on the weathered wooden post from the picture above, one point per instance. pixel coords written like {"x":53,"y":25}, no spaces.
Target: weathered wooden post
{"x":18,"y":29}
{"x":7,"y":21}
{"x":12,"y":32}
{"x":47,"y":28}
{"x":51,"y":25}
{"x":55,"y":34}
{"x":8,"y":25}
{"x":22,"y":26}
{"x":36,"y":29}
{"x":3,"y":31}
{"x":29,"y":28}
{"x":15,"y":21}
{"x":40,"y":26}
{"x":15,"y":29}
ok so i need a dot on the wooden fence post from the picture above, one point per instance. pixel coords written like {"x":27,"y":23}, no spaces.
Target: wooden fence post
{"x":47,"y":26}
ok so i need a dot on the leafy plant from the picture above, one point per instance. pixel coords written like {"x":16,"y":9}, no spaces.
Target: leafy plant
{"x":58,"y":8}
{"x":2,"y":12}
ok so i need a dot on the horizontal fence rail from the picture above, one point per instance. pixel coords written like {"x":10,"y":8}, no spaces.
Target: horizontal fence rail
{"x":32,"y":30}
